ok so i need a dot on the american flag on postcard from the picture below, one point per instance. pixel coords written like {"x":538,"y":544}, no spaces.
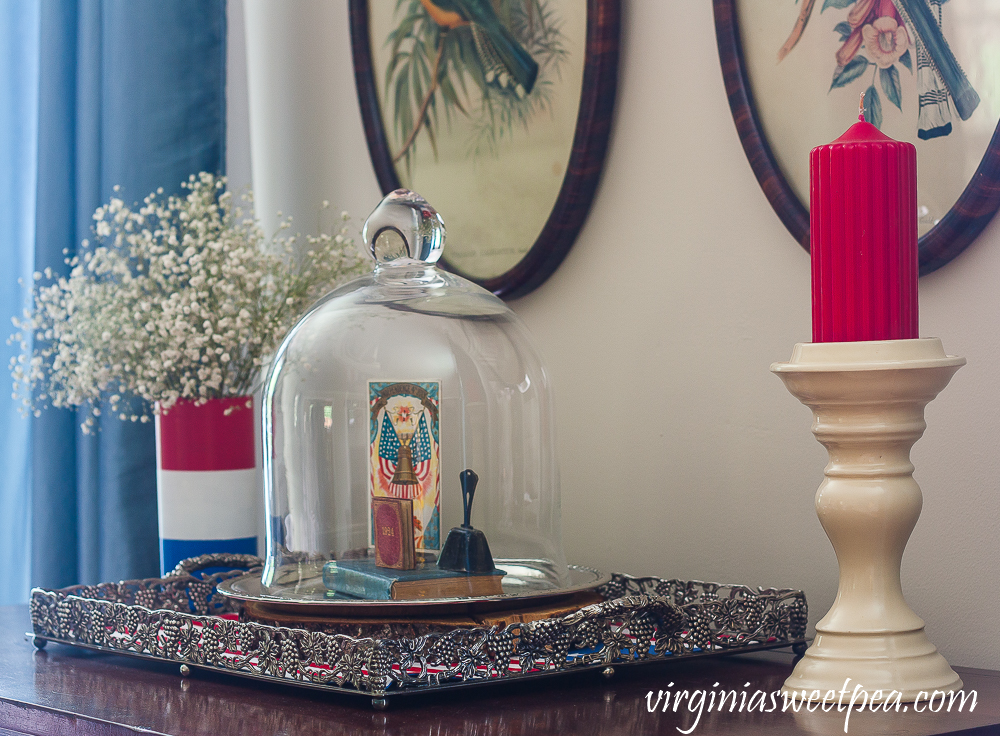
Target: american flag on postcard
{"x":404,"y":452}
{"x":388,"y":455}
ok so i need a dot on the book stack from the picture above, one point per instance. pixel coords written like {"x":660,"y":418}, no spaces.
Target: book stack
{"x":364,"y":580}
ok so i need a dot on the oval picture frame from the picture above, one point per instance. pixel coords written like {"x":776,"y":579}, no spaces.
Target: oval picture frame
{"x":586,"y":161}
{"x":955,"y":231}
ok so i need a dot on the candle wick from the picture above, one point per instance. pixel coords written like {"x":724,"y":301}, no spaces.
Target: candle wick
{"x":861,"y":108}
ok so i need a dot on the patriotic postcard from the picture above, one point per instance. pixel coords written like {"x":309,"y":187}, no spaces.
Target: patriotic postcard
{"x":404,"y":454}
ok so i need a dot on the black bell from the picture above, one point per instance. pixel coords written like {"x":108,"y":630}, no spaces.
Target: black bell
{"x":466,"y":549}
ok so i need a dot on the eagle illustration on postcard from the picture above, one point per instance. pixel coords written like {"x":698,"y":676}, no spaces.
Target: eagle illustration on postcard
{"x":404,"y":454}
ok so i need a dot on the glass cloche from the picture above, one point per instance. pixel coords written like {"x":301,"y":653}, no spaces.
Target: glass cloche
{"x":377,"y":402}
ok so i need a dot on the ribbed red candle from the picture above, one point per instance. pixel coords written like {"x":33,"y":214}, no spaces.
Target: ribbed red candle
{"x":863,"y":237}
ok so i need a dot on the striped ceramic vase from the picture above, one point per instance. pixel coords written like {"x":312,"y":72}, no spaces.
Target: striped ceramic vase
{"x":206,"y":479}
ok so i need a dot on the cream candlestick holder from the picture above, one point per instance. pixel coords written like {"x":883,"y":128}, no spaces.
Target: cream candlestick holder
{"x":868,"y":402}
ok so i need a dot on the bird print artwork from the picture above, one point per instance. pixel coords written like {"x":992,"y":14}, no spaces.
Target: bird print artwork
{"x":504,"y":60}
{"x":880,"y":38}
{"x":490,"y":61}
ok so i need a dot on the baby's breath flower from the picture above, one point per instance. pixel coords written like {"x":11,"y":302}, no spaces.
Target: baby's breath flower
{"x":182,"y":298}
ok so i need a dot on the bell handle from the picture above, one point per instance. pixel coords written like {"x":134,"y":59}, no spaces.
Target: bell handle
{"x":468,"y":479}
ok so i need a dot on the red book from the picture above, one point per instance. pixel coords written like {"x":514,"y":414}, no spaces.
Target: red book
{"x":393,"y":521}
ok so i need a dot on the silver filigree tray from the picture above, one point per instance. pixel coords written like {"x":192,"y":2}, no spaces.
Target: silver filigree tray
{"x":182,"y":618}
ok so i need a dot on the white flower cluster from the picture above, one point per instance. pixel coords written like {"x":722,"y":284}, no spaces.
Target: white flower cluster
{"x":183,"y":298}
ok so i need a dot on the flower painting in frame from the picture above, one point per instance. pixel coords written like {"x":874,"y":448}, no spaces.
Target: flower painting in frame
{"x":923,"y":71}
{"x":497,"y":112}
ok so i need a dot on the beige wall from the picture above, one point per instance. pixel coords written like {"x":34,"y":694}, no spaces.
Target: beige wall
{"x":681,"y":455}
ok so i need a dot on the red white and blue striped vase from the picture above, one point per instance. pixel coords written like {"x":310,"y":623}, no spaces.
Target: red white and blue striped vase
{"x":206,"y":479}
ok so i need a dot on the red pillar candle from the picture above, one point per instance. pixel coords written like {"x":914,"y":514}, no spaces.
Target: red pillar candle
{"x":863,"y":237}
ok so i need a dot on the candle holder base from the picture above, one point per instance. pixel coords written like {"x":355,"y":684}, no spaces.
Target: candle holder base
{"x":905,"y":662}
{"x":868,"y":401}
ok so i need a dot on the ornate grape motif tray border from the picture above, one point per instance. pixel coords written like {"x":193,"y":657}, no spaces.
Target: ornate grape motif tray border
{"x":182,"y":619}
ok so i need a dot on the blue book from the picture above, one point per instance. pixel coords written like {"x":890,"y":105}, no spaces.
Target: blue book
{"x":363,"y":579}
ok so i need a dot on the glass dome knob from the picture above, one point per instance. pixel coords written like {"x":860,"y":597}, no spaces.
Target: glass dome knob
{"x":404,"y":225}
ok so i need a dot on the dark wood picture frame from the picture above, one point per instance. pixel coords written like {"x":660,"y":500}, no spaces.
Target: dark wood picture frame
{"x":590,"y":142}
{"x":949,"y":237}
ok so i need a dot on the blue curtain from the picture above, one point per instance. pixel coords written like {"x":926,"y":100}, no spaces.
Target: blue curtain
{"x":130,"y":93}
{"x":18,"y":139}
